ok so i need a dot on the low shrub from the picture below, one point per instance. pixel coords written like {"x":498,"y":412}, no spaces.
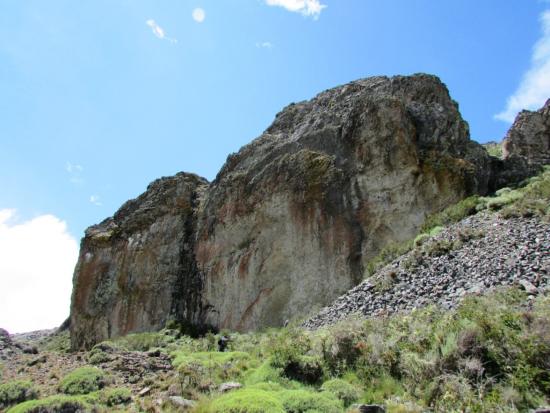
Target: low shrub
{"x":59,"y":342}
{"x":57,"y":403}
{"x":265,"y":373}
{"x":201,"y":370}
{"x":115,"y":396}
{"x":16,"y":391}
{"x":387,"y":255}
{"x":452,"y":214}
{"x":302,"y":401}
{"x":246,"y":401}
{"x":305,"y":369}
{"x":98,"y":357}
{"x":342,"y":390}
{"x":83,"y":380}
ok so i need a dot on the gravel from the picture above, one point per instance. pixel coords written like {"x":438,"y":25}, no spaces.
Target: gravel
{"x":486,"y":251}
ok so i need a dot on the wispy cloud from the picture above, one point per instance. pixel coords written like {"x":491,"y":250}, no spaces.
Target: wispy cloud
{"x":35,"y":292}
{"x":534,"y":88}
{"x":75,"y":173}
{"x":198,"y":15}
{"x":311,"y":8}
{"x":264,"y":45}
{"x":96,"y":200}
{"x":159,"y":31}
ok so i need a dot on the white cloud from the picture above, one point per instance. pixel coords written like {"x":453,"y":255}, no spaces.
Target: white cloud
{"x":73,"y":167}
{"x":198,"y":15}
{"x":159,"y":31}
{"x":96,"y":200}
{"x":264,"y":45}
{"x":75,"y":172}
{"x":534,"y":88}
{"x":306,"y":7}
{"x":37,"y":259}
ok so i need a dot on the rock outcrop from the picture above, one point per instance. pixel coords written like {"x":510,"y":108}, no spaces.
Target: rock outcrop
{"x":529,"y":136}
{"x":291,"y":219}
{"x":137,"y":269}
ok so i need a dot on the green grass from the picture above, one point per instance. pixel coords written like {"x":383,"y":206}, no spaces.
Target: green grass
{"x":302,"y":401}
{"x":493,"y":149}
{"x":246,"y":401}
{"x":83,"y":380}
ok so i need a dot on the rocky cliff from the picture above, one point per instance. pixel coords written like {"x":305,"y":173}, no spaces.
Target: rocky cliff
{"x":529,"y":136}
{"x":291,"y":219}
{"x":137,"y":268}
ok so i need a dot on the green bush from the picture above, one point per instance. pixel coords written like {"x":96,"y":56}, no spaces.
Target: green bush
{"x":535,"y":199}
{"x":116,"y":396}
{"x":16,"y":391}
{"x":452,"y":214}
{"x":98,"y":357}
{"x":290,"y":353}
{"x":58,"y":342}
{"x":302,"y":401}
{"x":421,"y":239}
{"x":387,"y":255}
{"x":247,"y":401}
{"x":265,"y":373}
{"x":57,"y":403}
{"x":342,"y":390}
{"x":83,"y":380}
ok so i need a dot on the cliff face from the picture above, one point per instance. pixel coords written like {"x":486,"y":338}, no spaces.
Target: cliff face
{"x":291,"y":219}
{"x":137,"y":269}
{"x":529,"y":136}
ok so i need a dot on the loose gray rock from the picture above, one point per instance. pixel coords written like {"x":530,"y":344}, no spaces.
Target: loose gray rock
{"x":225,"y":387}
{"x":528,"y":287}
{"x":181,"y":403}
{"x":504,"y":252}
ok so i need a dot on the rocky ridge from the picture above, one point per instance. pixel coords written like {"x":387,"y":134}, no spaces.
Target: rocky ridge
{"x":471,"y":257}
{"x":291,"y":220}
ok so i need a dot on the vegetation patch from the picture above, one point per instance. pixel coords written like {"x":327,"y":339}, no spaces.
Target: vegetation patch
{"x":115,"y":396}
{"x":343,"y":390}
{"x":142,"y":341}
{"x":246,"y":401}
{"x":531,"y":200}
{"x":83,"y":380}
{"x":16,"y":391}
{"x":56,"y":404}
{"x":302,"y":401}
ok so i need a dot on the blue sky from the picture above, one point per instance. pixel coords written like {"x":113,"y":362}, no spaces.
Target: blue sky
{"x":100,"y":97}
